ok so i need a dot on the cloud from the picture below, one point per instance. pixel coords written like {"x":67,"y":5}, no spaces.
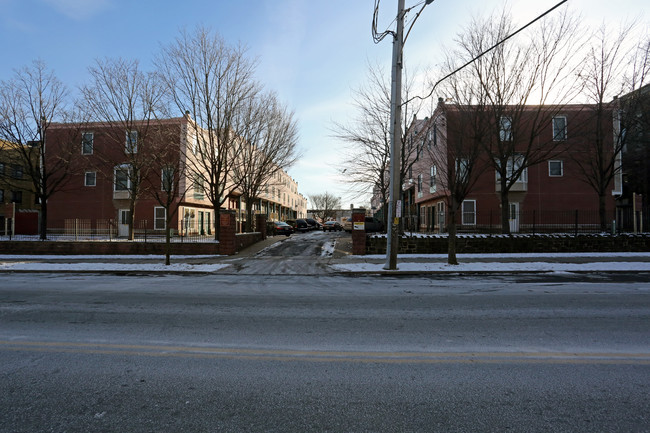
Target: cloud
{"x":79,"y":10}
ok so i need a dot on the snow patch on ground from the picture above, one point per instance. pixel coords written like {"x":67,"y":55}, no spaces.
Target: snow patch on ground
{"x":109,"y":267}
{"x":328,"y":248}
{"x":512,"y":255}
{"x":103,"y":257}
{"x":499,"y":267}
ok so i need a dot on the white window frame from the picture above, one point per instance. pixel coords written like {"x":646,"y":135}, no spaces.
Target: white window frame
{"x":131,"y":145}
{"x":557,"y":161}
{"x":94,"y":183}
{"x":198,"y":191}
{"x":557,"y":135}
{"x":165,"y":173}
{"x":505,"y":128}
{"x":433,"y":187}
{"x":468,"y":218}
{"x":156,"y":218}
{"x":122,"y":168}
{"x":513,"y":165}
{"x":462,"y":167}
{"x":90,"y":142}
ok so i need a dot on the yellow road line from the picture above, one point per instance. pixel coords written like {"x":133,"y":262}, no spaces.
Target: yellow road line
{"x":201,"y":352}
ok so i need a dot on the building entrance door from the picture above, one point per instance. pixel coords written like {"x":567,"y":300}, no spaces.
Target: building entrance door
{"x":514,"y":217}
{"x":123,"y":223}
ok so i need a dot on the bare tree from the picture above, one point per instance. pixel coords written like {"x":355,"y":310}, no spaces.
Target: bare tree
{"x":635,"y":123}
{"x":167,"y":170}
{"x":614,"y":65}
{"x":368,"y":159}
{"x":213,"y":83}
{"x":518,"y":88}
{"x":450,"y":143}
{"x":325,"y":205}
{"x":270,"y":134}
{"x":125,"y":102}
{"x":29,"y":103}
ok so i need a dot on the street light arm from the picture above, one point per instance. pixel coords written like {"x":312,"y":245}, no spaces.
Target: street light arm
{"x":426,"y":3}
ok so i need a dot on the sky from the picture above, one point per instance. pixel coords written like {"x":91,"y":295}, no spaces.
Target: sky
{"x":313,"y":54}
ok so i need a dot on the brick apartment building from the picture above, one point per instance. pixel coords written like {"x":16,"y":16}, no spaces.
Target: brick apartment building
{"x":97,"y":195}
{"x":548,"y":192}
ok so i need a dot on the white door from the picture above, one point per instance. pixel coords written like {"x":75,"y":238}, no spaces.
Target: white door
{"x":123,"y":223}
{"x":514,"y":218}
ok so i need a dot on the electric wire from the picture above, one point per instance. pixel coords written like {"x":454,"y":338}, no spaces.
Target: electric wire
{"x":485,"y":52}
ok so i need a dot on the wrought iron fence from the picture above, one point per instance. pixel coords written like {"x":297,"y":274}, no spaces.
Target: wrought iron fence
{"x":76,"y":229}
{"x":621,"y":220}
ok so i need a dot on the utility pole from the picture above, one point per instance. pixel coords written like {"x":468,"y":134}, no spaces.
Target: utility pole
{"x":392,"y":241}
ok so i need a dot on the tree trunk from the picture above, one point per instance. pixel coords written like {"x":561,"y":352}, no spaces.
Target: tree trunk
{"x":249,"y":216}
{"x":602,"y":211}
{"x":451,"y":242}
{"x":167,"y":244}
{"x":505,"y":208}
{"x":217,"y":222}
{"x":132,"y":220}
{"x":43,"y":222}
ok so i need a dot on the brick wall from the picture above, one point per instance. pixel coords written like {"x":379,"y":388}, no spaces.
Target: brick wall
{"x":515,"y":244}
{"x":243,"y":240}
{"x":105,"y":248}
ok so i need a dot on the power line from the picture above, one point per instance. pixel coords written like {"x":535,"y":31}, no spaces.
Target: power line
{"x":487,"y":51}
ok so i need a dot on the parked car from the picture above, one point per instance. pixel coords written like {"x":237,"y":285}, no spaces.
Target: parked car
{"x":299,"y":225}
{"x":315,"y":225}
{"x":332,"y":226}
{"x":282,"y":228}
{"x":372,"y":224}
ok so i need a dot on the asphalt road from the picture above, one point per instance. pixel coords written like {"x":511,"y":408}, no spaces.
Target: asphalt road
{"x":298,"y":353}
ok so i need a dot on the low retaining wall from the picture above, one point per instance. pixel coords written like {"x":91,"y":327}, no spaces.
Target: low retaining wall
{"x":514,"y":244}
{"x":243,"y":240}
{"x":105,"y":248}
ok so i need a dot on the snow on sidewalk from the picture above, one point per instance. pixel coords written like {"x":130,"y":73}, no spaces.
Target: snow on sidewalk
{"x":109,"y":267}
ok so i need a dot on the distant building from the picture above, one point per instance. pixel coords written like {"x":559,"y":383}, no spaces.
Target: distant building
{"x":16,"y":190}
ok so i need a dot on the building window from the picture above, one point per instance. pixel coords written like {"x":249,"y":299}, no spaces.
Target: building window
{"x":123,"y":178}
{"x":194,"y":142}
{"x":469,"y":212}
{"x":441,"y":214}
{"x":432,"y":181}
{"x":17,"y":171}
{"x":2,"y":169}
{"x":132,"y":141}
{"x":556,"y":168}
{"x":198,"y":188}
{"x":505,"y":128}
{"x":559,"y":128}
{"x":462,"y":170}
{"x":87,"y":141}
{"x":159,"y":218}
{"x":513,"y":166}
{"x":167,"y":179}
{"x":419,"y":183}
{"x":16,"y":197}
{"x":90,"y":178}
{"x":2,"y":196}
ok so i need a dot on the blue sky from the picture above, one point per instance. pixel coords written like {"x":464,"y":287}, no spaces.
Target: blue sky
{"x":312,"y":53}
